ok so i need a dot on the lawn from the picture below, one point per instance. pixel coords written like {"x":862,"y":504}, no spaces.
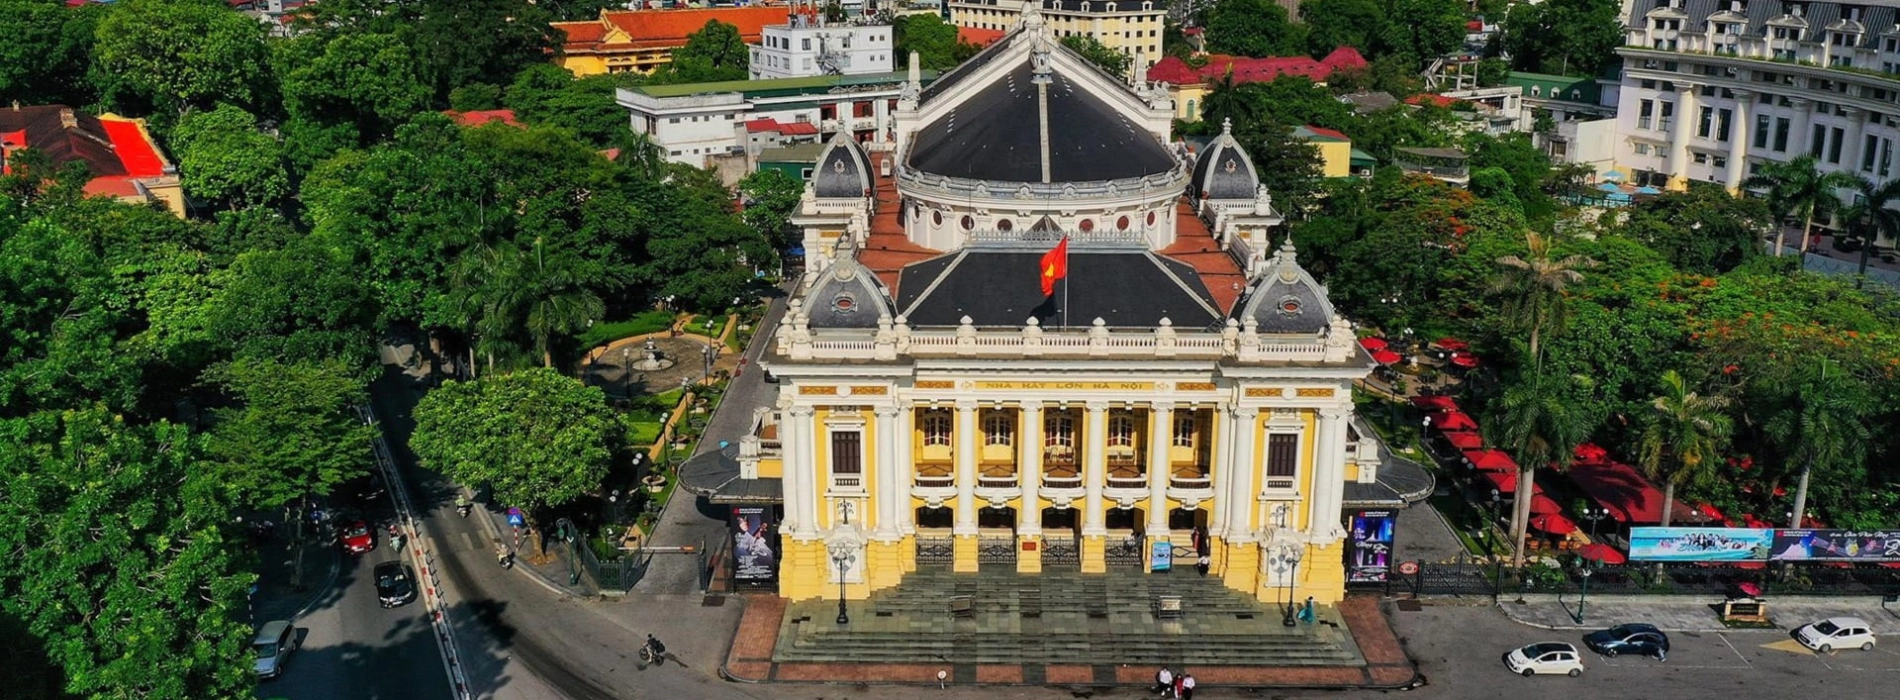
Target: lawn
{"x":609,"y":331}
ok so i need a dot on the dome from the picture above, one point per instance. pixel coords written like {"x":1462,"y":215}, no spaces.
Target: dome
{"x":1286,"y":299}
{"x":843,"y":170}
{"x":1224,"y":170}
{"x":846,"y":296}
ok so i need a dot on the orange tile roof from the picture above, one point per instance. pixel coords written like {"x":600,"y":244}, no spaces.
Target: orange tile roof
{"x":479,"y":117}
{"x":675,"y":25}
{"x":1195,"y":246}
{"x":581,"y":32}
{"x":979,"y":36}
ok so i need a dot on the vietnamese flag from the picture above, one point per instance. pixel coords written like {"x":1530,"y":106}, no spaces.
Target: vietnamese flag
{"x":1055,"y":266}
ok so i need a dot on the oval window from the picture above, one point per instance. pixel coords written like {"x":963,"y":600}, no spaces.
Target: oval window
{"x":1151,"y":218}
{"x":1086,"y":225}
{"x":844,"y":303}
{"x":1122,"y":223}
{"x":1004,"y":225}
{"x":968,"y":222}
{"x":936,"y":218}
{"x":1290,"y":305}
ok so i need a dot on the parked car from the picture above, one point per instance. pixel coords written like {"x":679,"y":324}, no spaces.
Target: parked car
{"x":395,"y":584}
{"x":1545,"y":658}
{"x":1636,"y":638}
{"x":357,"y":537}
{"x":272,"y":647}
{"x":1836,"y":633}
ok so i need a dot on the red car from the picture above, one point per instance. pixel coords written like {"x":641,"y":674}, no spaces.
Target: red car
{"x":357,"y":537}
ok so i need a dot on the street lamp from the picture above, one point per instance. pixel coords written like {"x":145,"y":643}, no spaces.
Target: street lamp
{"x":707,"y":351}
{"x":1290,"y":562}
{"x":842,"y":555}
{"x":1585,"y":595}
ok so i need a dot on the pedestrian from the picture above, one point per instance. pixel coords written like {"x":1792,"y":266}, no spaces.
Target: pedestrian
{"x":1164,"y":681}
{"x":1202,"y":564}
{"x":1187,"y":686}
{"x":1180,"y":685}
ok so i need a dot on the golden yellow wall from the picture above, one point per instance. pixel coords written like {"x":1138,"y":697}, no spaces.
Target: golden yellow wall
{"x":1335,"y":158}
{"x":583,"y":66}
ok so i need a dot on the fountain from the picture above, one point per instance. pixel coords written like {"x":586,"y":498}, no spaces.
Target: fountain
{"x":654,"y":360}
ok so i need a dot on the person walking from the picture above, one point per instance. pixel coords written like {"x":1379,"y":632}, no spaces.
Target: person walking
{"x":1180,"y":685}
{"x":1164,"y":682}
{"x":1187,"y":686}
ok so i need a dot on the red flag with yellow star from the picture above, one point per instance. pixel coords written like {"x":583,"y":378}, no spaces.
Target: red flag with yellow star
{"x":1055,"y":266}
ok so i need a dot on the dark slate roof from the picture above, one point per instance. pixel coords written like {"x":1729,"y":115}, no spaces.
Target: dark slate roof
{"x":1004,"y":289}
{"x":715,"y":475}
{"x":843,"y":169}
{"x":1876,"y":20}
{"x":846,"y":296}
{"x":996,"y":135}
{"x":1224,"y":170}
{"x":1284,"y":298}
{"x":966,"y":68}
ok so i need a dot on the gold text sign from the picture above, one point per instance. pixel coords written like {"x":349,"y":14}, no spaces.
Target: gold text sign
{"x":1065,"y":386}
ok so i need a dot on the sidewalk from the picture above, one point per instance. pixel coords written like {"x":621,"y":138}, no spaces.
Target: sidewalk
{"x":551,"y":571}
{"x":1690,"y":613}
{"x":280,"y":595}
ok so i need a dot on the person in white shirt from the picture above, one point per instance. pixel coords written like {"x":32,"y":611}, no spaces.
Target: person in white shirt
{"x":1164,"y":681}
{"x":1187,"y":687}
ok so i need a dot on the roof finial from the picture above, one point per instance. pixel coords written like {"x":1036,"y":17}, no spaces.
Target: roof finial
{"x":1286,"y":248}
{"x":1226,"y":126}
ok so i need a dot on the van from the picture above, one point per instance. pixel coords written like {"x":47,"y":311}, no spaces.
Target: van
{"x":272,"y":647}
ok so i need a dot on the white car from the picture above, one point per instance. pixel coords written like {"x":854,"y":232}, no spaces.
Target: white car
{"x":1545,"y":657}
{"x":1836,"y":633}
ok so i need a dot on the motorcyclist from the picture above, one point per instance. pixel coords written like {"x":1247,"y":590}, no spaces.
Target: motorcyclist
{"x":654,"y":645}
{"x":462,"y":505}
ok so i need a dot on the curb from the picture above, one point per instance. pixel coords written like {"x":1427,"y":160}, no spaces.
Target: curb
{"x":494,"y":533}
{"x":329,"y":581}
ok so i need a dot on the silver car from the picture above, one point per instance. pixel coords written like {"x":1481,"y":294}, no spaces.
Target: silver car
{"x":272,"y":645}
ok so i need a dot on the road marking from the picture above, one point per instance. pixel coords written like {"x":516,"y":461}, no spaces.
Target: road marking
{"x":1788,"y":645}
{"x":1738,"y":652}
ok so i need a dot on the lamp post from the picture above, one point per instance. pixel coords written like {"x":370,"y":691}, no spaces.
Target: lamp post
{"x":1585,"y":595}
{"x":1290,"y":562}
{"x":841,"y":555}
{"x":707,"y":351}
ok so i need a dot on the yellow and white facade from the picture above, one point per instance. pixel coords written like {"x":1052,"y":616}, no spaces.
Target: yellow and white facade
{"x":1130,"y":26}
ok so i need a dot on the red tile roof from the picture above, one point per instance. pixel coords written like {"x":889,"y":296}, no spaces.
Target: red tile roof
{"x":1242,"y":70}
{"x":582,"y":32}
{"x":1195,"y":246}
{"x":1328,"y":133}
{"x":479,"y":117}
{"x":135,"y":149}
{"x":980,"y":37}
{"x":1437,"y":100}
{"x":662,"y":28}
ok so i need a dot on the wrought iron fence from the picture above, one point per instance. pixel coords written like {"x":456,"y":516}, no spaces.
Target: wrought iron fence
{"x":1126,"y":551}
{"x":1060,"y":550}
{"x":1467,"y":577}
{"x":936,"y":551}
{"x":996,"y":550}
{"x":616,"y":574}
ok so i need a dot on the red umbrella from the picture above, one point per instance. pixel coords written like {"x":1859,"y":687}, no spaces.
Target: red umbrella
{"x":1453,"y":420}
{"x":1590,"y":452}
{"x":1435,"y":403}
{"x":1504,"y":482}
{"x":1385,"y":357}
{"x":1464,"y":439}
{"x":1544,"y":505}
{"x":1453,"y":344}
{"x":1372,"y":343}
{"x":1603,"y":553}
{"x":1553,"y":523}
{"x":1491,"y":460}
{"x":1465,"y":360}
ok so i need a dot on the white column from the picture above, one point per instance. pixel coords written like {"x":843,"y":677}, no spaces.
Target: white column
{"x":801,"y":478}
{"x":1095,"y":470}
{"x":1029,"y":468}
{"x":1329,"y":475}
{"x":1803,"y":123}
{"x":906,"y":469}
{"x":1739,"y":134}
{"x":1222,"y":472}
{"x":1679,"y":134}
{"x":1160,"y":438}
{"x":1243,"y":494}
{"x":1856,"y":136}
{"x":891,"y":483}
{"x":966,"y":468}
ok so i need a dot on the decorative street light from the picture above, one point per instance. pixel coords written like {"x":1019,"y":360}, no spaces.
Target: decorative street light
{"x":1585,"y":595}
{"x":1594,"y":514}
{"x":707,"y":351}
{"x":842,"y":556}
{"x":1289,"y":560}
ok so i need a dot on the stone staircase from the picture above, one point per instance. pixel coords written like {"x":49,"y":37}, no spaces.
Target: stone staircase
{"x":1060,"y":617}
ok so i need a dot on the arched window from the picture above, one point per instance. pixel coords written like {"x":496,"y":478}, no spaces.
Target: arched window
{"x":1121,"y":429}
{"x":936,"y":426}
{"x":1190,"y":110}
{"x":999,"y":428}
{"x":1004,"y":225}
{"x":1184,"y":425}
{"x":1058,"y":430}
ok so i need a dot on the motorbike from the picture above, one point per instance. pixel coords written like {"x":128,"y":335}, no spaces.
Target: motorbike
{"x":463,"y":509}
{"x":653,"y":652}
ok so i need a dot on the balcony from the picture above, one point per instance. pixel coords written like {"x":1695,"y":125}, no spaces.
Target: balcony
{"x":935,"y":476}
{"x":997,"y":476}
{"x":1060,"y":478}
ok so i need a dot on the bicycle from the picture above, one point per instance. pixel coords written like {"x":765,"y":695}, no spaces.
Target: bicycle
{"x":652,"y":653}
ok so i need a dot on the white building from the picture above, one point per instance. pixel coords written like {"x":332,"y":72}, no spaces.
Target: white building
{"x":1131,"y":26}
{"x":1712,"y":89}
{"x":808,"y":46}
{"x":699,"y":123}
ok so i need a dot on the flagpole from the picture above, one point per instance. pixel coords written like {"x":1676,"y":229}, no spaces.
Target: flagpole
{"x":1065,"y":284}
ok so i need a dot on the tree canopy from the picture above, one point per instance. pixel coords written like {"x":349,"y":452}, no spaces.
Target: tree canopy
{"x":1251,"y":28}
{"x":1114,"y":62}
{"x":534,"y":437}
{"x":714,"y":53}
{"x":1563,"y":37}
{"x":933,"y":40}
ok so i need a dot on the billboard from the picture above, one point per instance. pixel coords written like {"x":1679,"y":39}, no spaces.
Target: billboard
{"x":1700,"y":543}
{"x":753,"y":558}
{"x":1369,"y":557}
{"x":1837,"y":545}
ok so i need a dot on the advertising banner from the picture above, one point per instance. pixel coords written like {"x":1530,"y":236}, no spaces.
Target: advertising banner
{"x":1161,"y":556}
{"x":1837,"y":545}
{"x":1370,"y":546}
{"x":1699,"y":543}
{"x":753,"y":558}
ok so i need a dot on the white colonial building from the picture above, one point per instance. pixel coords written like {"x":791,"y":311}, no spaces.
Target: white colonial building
{"x":808,"y":45}
{"x":1131,"y":26}
{"x":700,"y":124}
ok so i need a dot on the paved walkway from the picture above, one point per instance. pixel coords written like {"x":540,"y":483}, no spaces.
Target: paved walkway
{"x":1690,"y":613}
{"x":280,"y":593}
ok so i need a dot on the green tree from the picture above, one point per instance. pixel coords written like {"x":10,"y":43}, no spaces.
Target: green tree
{"x":177,"y":55}
{"x":1683,"y":438}
{"x":548,"y":94}
{"x":1251,"y":28}
{"x":535,"y":438}
{"x":465,"y":42}
{"x":1703,"y":230}
{"x":301,"y":303}
{"x":714,"y":53}
{"x":358,"y":86}
{"x":1822,"y":425}
{"x":295,"y":434}
{"x":1422,"y":29}
{"x":1798,"y":189}
{"x":1534,"y":285}
{"x":47,"y":51}
{"x":1540,"y":426}
{"x":1174,"y":42}
{"x":119,"y":561}
{"x":1564,"y":37}
{"x":933,"y":39}
{"x":771,"y":197}
{"x":1869,"y":217}
{"x":225,"y":161}
{"x":1088,"y":47}
{"x":481,"y":96}
{"x":1331,"y":24}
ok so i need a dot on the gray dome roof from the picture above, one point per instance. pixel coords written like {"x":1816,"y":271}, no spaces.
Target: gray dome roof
{"x":1224,"y":170}
{"x":844,"y":170}
{"x":1286,"y":299}
{"x":846,"y":296}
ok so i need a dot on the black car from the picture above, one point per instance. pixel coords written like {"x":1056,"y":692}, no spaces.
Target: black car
{"x":1636,"y":639}
{"x":395,"y":584}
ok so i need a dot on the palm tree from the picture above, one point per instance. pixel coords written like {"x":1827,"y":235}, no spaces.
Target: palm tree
{"x":1822,"y":426}
{"x":1868,"y":217}
{"x":1536,"y":284}
{"x":1541,"y":426}
{"x":1798,"y":188}
{"x":1684,"y":433}
{"x":481,"y":283}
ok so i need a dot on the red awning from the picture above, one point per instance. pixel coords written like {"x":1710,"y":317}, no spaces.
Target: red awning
{"x":1629,"y":497}
{"x":1589,"y":452}
{"x":1385,"y":357}
{"x":1453,"y":420}
{"x":1435,"y":403}
{"x":1603,"y":553}
{"x":1504,"y":482}
{"x":1553,"y":523}
{"x":1491,"y":460}
{"x":1452,"y":344}
{"x":1465,"y":360}
{"x":1463,"y":439}
{"x":1710,"y":510}
{"x":1372,"y":343}
{"x":1544,"y":505}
